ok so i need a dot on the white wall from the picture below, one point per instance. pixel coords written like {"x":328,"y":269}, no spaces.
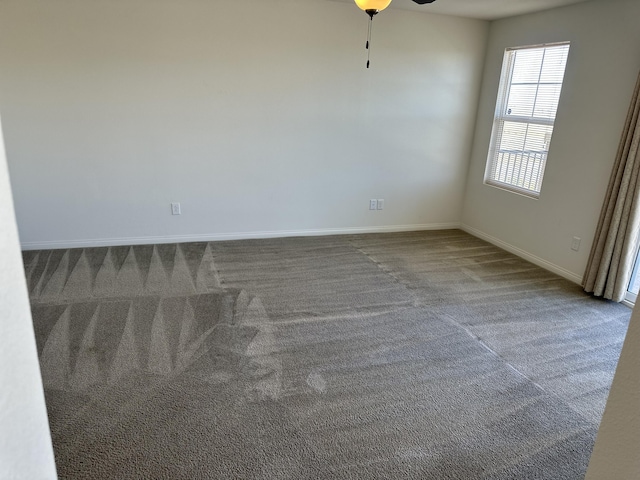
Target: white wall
{"x":615,"y":455}
{"x":258,"y":116}
{"x":25,"y":442}
{"x":602,"y":70}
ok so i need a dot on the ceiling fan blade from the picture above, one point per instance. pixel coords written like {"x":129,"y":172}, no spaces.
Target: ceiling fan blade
{"x":422,"y":2}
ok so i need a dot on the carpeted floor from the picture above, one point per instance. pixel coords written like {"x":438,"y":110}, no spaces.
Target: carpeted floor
{"x":429,"y":355}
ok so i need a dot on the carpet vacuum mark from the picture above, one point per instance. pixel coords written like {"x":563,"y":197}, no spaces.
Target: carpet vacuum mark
{"x":429,"y":355}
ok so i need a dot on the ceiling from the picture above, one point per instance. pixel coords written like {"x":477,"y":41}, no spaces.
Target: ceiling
{"x":483,"y":9}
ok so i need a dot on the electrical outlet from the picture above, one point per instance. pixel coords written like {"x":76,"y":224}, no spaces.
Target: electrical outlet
{"x":175,"y":209}
{"x":575,"y":244}
{"x":373,"y":204}
{"x":381,"y":204}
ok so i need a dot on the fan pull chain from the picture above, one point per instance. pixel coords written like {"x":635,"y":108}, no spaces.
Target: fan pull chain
{"x":369,"y":40}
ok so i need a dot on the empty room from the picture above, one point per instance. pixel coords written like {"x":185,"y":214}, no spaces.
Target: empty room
{"x":309,"y":239}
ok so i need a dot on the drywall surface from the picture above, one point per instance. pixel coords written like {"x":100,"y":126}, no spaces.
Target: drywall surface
{"x":25,"y":441}
{"x":601,"y":72}
{"x":615,"y":455}
{"x":257,"y":116}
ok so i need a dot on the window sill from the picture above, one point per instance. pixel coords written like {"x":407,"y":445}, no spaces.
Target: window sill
{"x":510,"y":188}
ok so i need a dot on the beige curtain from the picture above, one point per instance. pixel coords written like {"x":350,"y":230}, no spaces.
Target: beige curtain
{"x":616,"y":241}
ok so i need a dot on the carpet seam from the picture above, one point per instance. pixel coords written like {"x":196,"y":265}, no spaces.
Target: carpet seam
{"x":478,"y":339}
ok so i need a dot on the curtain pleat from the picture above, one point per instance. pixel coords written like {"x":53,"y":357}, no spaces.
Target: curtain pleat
{"x":616,"y":241}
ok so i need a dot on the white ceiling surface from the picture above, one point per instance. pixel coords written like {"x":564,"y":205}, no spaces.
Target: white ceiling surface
{"x":483,"y":9}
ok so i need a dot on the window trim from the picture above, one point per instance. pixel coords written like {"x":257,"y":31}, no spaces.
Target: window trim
{"x":499,"y":119}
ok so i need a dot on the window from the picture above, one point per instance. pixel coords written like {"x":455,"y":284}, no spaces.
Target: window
{"x":528,"y":98}
{"x":633,"y":289}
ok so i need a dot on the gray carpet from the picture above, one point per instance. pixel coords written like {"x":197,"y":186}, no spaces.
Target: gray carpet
{"x":428,"y":355}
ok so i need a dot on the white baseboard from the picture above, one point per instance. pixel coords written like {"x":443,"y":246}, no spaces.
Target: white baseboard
{"x":628,"y":303}
{"x":212,"y":237}
{"x":541,"y":262}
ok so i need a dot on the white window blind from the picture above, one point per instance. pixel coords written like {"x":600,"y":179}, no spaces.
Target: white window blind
{"x":528,"y":99}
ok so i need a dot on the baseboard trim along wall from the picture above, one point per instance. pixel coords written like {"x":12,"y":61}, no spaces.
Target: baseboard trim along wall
{"x":552,"y":267}
{"x":213,"y":237}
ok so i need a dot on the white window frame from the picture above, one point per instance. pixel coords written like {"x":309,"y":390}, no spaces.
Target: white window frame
{"x":630,"y":298}
{"x":501,"y":116}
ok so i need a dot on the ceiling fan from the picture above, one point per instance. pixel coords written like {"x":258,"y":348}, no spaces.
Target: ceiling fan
{"x":373,"y":7}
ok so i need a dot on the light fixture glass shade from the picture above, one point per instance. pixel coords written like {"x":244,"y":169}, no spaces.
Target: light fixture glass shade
{"x":373,"y":4}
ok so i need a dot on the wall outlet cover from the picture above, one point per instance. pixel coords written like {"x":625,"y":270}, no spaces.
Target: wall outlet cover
{"x":575,"y":244}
